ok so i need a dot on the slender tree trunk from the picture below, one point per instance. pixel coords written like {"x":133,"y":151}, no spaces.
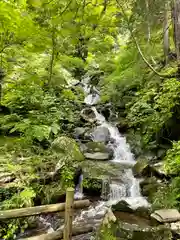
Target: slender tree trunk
{"x":176,"y":22}
{"x":166,"y":35}
{"x":52,"y":56}
{"x":148,"y":22}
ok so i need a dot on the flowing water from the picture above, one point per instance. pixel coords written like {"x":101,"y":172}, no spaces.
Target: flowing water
{"x":112,"y":190}
{"x":128,"y":189}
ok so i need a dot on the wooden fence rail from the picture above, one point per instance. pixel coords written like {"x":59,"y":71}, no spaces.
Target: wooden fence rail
{"x":60,"y":207}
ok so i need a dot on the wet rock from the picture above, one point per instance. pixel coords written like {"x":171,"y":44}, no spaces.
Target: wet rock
{"x":122,"y":125}
{"x":142,"y":168}
{"x":97,"y":156}
{"x":122,"y":206}
{"x":166,"y":215}
{"x":105,"y":111}
{"x":88,"y":115}
{"x":102,"y":170}
{"x":92,"y":147}
{"x":79,"y":132}
{"x":101,"y":134}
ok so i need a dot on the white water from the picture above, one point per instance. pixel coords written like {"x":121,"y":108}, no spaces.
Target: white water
{"x":128,"y":189}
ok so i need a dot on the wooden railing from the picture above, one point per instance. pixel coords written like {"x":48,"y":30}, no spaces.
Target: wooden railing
{"x":68,"y":207}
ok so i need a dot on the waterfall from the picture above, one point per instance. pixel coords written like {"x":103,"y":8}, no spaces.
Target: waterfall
{"x":128,"y":189}
{"x":79,"y":188}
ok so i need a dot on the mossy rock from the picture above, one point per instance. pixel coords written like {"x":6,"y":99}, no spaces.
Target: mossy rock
{"x":68,"y":148}
{"x":102,"y":169}
{"x":122,"y":230}
{"x":141,"y":167}
{"x":96,"y":147}
{"x":149,"y":187}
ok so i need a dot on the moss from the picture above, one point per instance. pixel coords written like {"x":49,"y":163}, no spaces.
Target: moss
{"x":68,"y":148}
{"x":96,"y":147}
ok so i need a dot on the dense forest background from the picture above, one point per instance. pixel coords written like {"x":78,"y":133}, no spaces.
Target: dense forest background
{"x":130,"y":50}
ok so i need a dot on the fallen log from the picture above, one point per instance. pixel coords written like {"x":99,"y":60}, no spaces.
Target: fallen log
{"x":32,"y":211}
{"x":59,"y":233}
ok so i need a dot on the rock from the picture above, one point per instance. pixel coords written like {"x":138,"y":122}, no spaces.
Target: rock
{"x":142,"y":168}
{"x":68,"y":148}
{"x":95,"y":175}
{"x":123,"y":230}
{"x":92,"y":147}
{"x":106,"y":112}
{"x":166,"y":215}
{"x":97,"y":156}
{"x":122,"y":125}
{"x":122,"y":206}
{"x":79,"y":132}
{"x":88,"y":115}
{"x":149,"y":187}
{"x":175,"y":228}
{"x":101,"y":134}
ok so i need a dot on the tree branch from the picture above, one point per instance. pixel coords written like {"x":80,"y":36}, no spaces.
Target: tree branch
{"x":139,"y":49}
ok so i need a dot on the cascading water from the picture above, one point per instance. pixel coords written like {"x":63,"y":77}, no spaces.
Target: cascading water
{"x":128,"y":189}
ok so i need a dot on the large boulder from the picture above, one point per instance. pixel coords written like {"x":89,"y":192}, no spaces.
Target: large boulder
{"x":88,"y":115}
{"x":93,"y":147}
{"x":142,"y":168}
{"x":97,"y":156}
{"x":122,"y":206}
{"x":125,"y":206}
{"x":101,"y":134}
{"x":68,"y":148}
{"x":122,"y":230}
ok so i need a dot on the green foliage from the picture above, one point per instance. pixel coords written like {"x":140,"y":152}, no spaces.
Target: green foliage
{"x":165,"y":197}
{"x":172,"y":159}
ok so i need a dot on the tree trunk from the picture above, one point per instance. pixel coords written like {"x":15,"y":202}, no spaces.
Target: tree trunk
{"x":148,"y":22}
{"x":166,"y":35}
{"x":52,"y":56}
{"x":176,"y":22}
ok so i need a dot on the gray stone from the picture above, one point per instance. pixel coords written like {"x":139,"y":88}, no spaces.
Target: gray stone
{"x":166,"y":215}
{"x":175,"y":228}
{"x":97,"y":156}
{"x":122,"y":206}
{"x":88,"y":115}
{"x":101,"y":134}
{"x":98,"y":147}
{"x":79,"y":132}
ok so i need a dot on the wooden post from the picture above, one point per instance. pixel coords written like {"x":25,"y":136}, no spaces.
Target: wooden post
{"x":68,"y":214}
